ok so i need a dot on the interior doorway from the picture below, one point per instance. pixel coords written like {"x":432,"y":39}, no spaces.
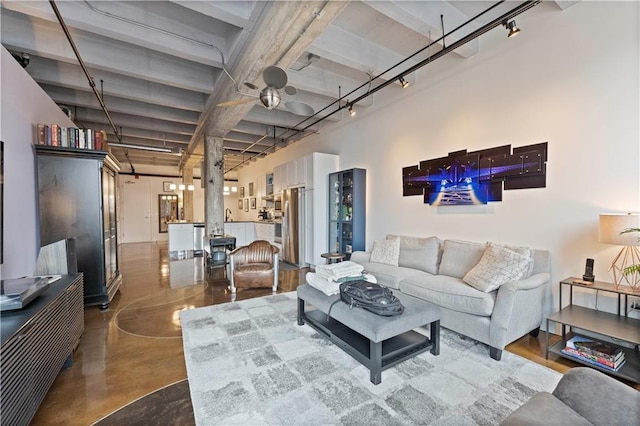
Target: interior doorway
{"x":135,"y":217}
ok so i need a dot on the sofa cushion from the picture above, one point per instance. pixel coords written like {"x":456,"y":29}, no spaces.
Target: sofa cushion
{"x":545,"y":409}
{"x":390,"y":276}
{"x":419,"y":253}
{"x":386,"y":251}
{"x":458,"y":257}
{"x":498,"y":265}
{"x":449,"y":292}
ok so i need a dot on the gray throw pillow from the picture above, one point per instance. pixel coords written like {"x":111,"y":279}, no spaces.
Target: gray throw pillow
{"x":458,"y":257}
{"x":419,"y":253}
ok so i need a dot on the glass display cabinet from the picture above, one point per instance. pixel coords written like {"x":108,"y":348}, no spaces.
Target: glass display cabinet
{"x":347,"y":215}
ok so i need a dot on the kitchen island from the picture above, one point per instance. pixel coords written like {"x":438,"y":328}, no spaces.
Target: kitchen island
{"x":248,"y":231}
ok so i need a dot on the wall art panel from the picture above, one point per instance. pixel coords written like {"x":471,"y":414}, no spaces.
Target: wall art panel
{"x":468,"y":178}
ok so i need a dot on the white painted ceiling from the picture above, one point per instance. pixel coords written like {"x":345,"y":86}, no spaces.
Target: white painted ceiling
{"x":159,"y":67}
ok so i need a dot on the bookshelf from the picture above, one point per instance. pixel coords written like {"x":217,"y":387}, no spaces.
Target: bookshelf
{"x":616,"y":327}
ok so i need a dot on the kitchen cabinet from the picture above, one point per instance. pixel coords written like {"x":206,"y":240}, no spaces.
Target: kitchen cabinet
{"x":77,"y":199}
{"x":311,"y":172}
{"x":347,"y":215}
{"x":244,"y":232}
{"x":318,"y":167}
{"x":181,"y":238}
{"x":278,"y":178}
{"x":265,"y":231}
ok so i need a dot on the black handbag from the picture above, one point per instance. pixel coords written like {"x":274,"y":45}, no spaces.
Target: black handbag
{"x":370,"y":296}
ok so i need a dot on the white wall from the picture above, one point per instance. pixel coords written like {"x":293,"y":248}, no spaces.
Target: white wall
{"x":155,"y":184}
{"x":24,"y":104}
{"x":570,"y":78}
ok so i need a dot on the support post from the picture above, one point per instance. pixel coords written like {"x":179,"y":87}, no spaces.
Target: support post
{"x":214,"y":184}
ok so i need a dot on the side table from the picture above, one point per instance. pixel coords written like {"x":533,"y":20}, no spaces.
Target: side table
{"x":333,"y":257}
{"x":615,"y":327}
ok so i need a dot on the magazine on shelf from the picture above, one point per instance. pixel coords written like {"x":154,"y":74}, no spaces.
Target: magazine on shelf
{"x":596,"y":359}
{"x":594,"y":347}
{"x":590,"y":361}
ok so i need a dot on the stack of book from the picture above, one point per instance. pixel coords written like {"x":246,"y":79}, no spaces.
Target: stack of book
{"x":71,"y":137}
{"x":594,"y":352}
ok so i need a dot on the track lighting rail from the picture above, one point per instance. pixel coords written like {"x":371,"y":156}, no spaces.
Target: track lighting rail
{"x":469,"y":37}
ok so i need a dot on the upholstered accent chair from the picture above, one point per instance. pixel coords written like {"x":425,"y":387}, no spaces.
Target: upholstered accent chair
{"x":255,"y":265}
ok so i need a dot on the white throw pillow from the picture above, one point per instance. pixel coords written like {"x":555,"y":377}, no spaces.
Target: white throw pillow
{"x":498,"y":265}
{"x":386,"y":251}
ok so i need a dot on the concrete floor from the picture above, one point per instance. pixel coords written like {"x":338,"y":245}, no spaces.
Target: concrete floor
{"x":135,"y":347}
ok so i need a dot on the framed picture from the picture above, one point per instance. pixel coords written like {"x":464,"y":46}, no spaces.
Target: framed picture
{"x":253,"y":203}
{"x":250,"y":189}
{"x":166,"y":186}
{"x":246,"y":204}
{"x":240,"y":203}
{"x":242,"y":192}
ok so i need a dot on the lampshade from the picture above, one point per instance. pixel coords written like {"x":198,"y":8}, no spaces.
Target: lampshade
{"x":611,"y":224}
{"x":181,"y":187}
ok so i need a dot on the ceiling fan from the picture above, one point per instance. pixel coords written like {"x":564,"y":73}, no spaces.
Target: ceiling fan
{"x":275,"y":79}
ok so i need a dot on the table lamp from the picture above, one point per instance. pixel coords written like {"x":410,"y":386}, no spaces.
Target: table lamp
{"x":611,"y":226}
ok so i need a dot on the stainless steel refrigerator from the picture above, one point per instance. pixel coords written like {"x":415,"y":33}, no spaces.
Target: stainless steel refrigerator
{"x":293,"y":225}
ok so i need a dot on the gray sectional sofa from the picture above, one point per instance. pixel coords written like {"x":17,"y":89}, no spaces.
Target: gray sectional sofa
{"x":583,"y":396}
{"x":433,"y":270}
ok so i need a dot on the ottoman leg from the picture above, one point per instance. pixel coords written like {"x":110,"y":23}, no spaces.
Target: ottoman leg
{"x":435,"y":337}
{"x":300,"y":311}
{"x":375,"y":362}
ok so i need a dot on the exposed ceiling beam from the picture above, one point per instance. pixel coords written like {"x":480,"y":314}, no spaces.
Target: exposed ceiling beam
{"x":280,"y":38}
{"x":86,"y":99}
{"x":424,"y":17}
{"x":71,"y":76}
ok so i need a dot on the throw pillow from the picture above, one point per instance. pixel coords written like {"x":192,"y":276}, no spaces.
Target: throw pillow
{"x":419,"y":253}
{"x":458,"y":257}
{"x":498,"y":265}
{"x":386,"y":251}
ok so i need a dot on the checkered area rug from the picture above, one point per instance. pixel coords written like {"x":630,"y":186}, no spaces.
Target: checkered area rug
{"x":249,"y":363}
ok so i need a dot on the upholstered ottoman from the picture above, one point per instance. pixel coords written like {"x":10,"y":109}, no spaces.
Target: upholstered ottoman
{"x":376,"y":341}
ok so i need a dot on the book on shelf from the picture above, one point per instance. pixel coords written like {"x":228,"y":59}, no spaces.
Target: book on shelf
{"x":595,"y":348}
{"x":55,"y":135}
{"x":42,"y":134}
{"x":575,"y":355}
{"x":597,"y":359}
{"x":71,"y":137}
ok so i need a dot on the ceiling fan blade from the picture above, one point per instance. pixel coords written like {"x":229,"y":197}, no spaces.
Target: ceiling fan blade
{"x":236,"y":102}
{"x":274,"y":77}
{"x":290,"y":90}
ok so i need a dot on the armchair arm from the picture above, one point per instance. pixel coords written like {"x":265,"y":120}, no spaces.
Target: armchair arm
{"x":518,"y":309}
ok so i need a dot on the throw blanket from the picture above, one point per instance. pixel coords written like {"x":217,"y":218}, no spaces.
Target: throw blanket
{"x":335,"y":271}
{"x":333,"y":287}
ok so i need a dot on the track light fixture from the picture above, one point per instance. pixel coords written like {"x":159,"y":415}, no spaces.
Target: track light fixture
{"x":403,"y":82}
{"x":352,"y":111}
{"x":513,"y":29}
